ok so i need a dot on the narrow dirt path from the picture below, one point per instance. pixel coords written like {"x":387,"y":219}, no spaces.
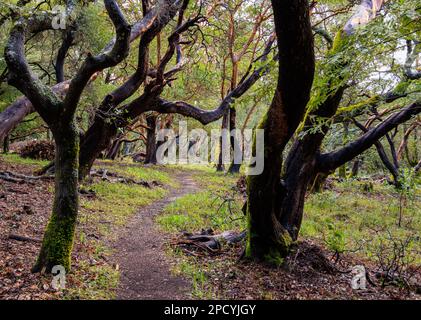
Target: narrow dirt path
{"x":145,"y":270}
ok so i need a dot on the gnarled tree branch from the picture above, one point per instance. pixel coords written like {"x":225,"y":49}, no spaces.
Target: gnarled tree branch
{"x":330,"y":161}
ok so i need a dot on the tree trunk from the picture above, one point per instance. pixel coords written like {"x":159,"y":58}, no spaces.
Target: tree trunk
{"x":356,"y":168}
{"x":318,"y":183}
{"x":128,"y":148}
{"x":17,"y":111}
{"x":267,"y":239}
{"x":96,"y":139}
{"x":151,"y":145}
{"x":58,"y":238}
{"x":13,"y":115}
{"x":342,"y":169}
{"x":6,"y":145}
{"x":225,"y":124}
{"x":114,"y":151}
{"x":273,"y":203}
{"x":387,"y":163}
{"x":394,"y":170}
{"x":235,"y":167}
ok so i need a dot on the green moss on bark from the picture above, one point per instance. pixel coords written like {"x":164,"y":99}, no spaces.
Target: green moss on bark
{"x":57,"y":244}
{"x":267,"y":240}
{"x":58,"y":238}
{"x":268,"y":246}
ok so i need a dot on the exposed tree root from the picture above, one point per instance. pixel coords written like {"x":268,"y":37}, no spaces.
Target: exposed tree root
{"x":313,"y":257}
{"x":20,"y":178}
{"x":47,"y":170}
{"x":208,"y":242}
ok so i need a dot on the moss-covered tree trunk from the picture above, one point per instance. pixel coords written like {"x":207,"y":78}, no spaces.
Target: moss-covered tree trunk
{"x":269,"y":238}
{"x":58,"y":238}
{"x":276,"y":198}
{"x":276,"y":212}
{"x":59,"y":114}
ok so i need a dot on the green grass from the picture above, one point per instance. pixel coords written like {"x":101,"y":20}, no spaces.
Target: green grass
{"x":211,"y":180}
{"x":92,"y":283}
{"x":139,"y":172}
{"x":348,"y":218}
{"x":91,"y":278}
{"x":343,"y":219}
{"x":200,"y":283}
{"x":206,"y":209}
{"x":116,"y":203}
{"x":196,"y":271}
{"x":201,"y":210}
{"x":198,"y":211}
{"x":205,"y":168}
{"x":16,"y":159}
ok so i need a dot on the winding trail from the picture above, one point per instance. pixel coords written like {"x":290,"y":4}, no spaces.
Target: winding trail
{"x":145,"y":270}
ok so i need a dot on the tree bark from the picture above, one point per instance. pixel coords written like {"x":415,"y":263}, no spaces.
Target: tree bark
{"x":58,"y":238}
{"x":220,"y":167}
{"x":235,"y":144}
{"x":96,"y":139}
{"x":22,"y":107}
{"x":268,"y":239}
{"x":114,"y":151}
{"x":151,"y":145}
{"x":104,"y":128}
{"x":336,"y":158}
{"x":61,"y":55}
{"x":6,"y":145}
{"x":394,"y":171}
{"x":356,"y":168}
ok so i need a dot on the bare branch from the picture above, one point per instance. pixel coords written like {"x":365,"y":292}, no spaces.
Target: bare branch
{"x":102,"y":61}
{"x":202,"y":115}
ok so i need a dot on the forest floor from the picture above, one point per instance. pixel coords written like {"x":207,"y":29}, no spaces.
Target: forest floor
{"x":127,"y":240}
{"x":106,"y":207}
